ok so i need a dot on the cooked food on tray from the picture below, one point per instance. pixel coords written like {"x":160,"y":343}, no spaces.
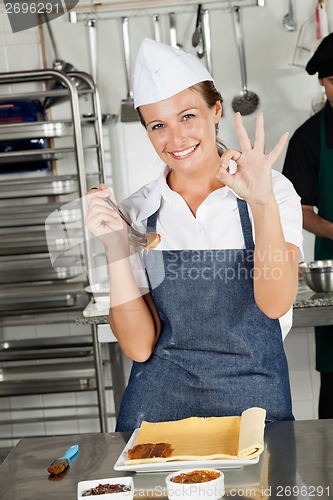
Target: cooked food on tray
{"x":198,"y":438}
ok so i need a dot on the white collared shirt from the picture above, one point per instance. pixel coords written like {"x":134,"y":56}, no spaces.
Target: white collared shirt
{"x":217,"y":222}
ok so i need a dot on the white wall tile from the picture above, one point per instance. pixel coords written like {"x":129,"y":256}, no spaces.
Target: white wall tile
{"x":27,"y":429}
{"x":301,"y":387}
{"x":7,"y":443}
{"x":60,"y":428}
{"x":25,"y":37}
{"x":111,"y":424}
{"x":315,"y":408}
{"x":297,"y":349}
{"x":32,"y":401}
{"x":312,"y":349}
{"x":3,"y":64}
{"x":88,"y":425}
{"x":5,"y":431}
{"x":59,"y":399}
{"x":20,"y":58}
{"x":315,"y":383}
{"x":86,"y":397}
{"x":303,"y":410}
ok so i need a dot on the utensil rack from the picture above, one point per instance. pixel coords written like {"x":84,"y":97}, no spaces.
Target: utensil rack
{"x":38,"y":295}
{"x":139,"y":8}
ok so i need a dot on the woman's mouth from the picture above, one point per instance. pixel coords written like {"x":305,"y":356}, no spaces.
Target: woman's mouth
{"x":184,"y":153}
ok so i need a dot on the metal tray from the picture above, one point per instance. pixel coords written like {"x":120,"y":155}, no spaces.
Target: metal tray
{"x":35,"y":130}
{"x":23,"y":268}
{"x":32,"y":241}
{"x":34,"y":215}
{"x":35,"y":155}
{"x":46,"y":348}
{"x":46,"y":378}
{"x":30,"y":298}
{"x":48,"y":185}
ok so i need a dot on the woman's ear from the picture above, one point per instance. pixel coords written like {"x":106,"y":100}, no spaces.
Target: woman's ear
{"x":218,"y":111}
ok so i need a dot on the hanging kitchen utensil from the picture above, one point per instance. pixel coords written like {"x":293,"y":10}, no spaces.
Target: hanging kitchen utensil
{"x":197,"y":35}
{"x":128,"y":112}
{"x":207,"y":40}
{"x":201,"y":45}
{"x":91,"y":24}
{"x":288,"y":20}
{"x":157,"y":31}
{"x":246,"y":102}
{"x":59,"y":65}
{"x":173,"y":31}
{"x":306,"y":42}
{"x":322,"y":28}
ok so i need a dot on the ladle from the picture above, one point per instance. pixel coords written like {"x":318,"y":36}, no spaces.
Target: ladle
{"x":246,"y":102}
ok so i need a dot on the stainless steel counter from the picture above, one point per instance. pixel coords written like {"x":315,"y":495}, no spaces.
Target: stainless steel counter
{"x":297,"y":463}
{"x":310,"y":309}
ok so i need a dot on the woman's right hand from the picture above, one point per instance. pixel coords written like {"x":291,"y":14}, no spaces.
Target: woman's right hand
{"x":104,"y":222}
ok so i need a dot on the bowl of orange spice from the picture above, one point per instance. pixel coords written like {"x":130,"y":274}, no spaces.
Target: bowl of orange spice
{"x":195,"y":484}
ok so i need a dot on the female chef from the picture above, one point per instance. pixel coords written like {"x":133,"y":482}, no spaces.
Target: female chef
{"x":206,"y":330}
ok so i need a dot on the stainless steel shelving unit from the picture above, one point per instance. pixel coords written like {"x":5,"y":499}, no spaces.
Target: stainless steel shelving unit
{"x":32,"y":291}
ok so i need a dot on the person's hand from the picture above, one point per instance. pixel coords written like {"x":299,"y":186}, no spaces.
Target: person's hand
{"x":252,"y":180}
{"x":102,"y":220}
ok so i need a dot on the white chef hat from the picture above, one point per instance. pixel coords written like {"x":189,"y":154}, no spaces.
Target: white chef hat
{"x":162,"y":71}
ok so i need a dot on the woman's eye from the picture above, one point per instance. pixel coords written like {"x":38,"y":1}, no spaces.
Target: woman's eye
{"x":157,"y":126}
{"x":187,"y":116}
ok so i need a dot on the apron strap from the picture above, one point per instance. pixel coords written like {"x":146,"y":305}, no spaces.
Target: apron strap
{"x":244,"y":219}
{"x":152,"y":221}
{"x":246,"y":224}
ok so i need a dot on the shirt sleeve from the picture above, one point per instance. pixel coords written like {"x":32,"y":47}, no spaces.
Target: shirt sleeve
{"x":301,"y":164}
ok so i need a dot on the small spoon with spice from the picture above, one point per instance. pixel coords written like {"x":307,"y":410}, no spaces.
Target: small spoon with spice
{"x":146,"y":240}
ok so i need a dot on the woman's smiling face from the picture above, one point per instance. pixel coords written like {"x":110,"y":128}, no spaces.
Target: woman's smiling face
{"x":182,"y":130}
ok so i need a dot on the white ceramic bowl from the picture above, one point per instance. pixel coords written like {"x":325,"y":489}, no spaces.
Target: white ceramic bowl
{"x":87,"y":485}
{"x":209,"y":490}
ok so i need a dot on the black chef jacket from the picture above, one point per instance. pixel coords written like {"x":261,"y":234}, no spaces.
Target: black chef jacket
{"x":302,"y":160}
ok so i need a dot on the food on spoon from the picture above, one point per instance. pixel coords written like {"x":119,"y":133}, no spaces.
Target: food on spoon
{"x":153,"y":239}
{"x":150,"y":450}
{"x":103,"y":489}
{"x":196,"y":476}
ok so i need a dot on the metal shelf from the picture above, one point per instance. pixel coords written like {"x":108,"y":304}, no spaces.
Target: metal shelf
{"x":47,"y":185}
{"x":35,"y":130}
{"x":32,"y":291}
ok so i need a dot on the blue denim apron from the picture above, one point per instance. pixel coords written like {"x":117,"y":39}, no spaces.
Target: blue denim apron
{"x":218,"y":353}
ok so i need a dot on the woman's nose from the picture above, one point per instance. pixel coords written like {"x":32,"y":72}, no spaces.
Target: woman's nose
{"x":177,"y":136}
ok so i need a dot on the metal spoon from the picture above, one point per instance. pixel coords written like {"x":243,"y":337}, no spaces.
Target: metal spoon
{"x":288,"y":20}
{"x":148,"y":240}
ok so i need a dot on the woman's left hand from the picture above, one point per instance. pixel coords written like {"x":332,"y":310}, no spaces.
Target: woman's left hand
{"x":252,"y":180}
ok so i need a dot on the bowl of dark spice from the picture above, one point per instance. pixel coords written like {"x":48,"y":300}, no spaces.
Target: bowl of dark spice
{"x":116,"y":488}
